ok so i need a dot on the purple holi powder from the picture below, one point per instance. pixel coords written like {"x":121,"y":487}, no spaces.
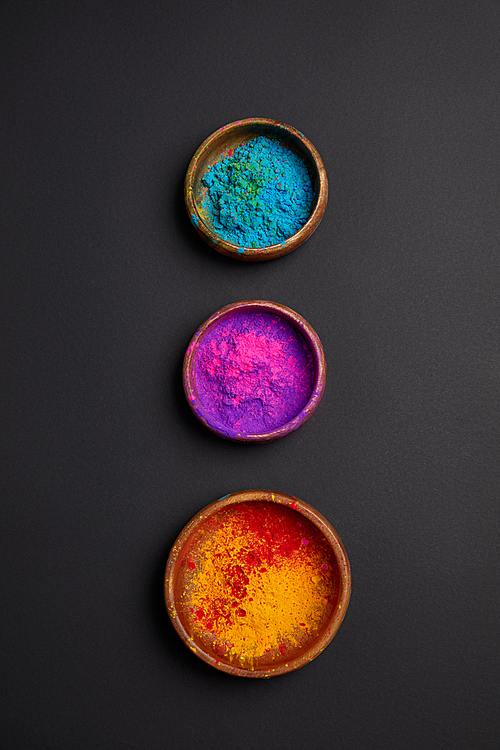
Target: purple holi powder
{"x":254,"y":372}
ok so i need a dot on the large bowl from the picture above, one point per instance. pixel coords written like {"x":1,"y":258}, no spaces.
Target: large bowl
{"x":189,"y":555}
{"x":213,"y":150}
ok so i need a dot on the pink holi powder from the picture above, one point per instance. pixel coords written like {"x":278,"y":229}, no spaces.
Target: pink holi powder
{"x":254,"y":372}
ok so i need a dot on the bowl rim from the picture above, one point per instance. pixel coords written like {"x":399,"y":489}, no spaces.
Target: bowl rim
{"x":313,"y":342}
{"x":268,"y":252}
{"x":324,"y":527}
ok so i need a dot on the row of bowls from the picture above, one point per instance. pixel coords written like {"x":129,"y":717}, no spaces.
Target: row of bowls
{"x":211,"y":151}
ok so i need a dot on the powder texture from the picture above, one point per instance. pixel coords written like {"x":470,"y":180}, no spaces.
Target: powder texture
{"x":260,"y":582}
{"x":254,"y":372}
{"x":258,"y":195}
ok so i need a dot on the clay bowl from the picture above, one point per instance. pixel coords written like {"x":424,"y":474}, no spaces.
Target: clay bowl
{"x":261,"y":655}
{"x":230,"y":137}
{"x":204,"y":409}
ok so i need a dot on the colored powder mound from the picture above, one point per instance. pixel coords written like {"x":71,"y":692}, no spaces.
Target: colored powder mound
{"x":259,"y":583}
{"x":259,"y":195}
{"x":254,"y":373}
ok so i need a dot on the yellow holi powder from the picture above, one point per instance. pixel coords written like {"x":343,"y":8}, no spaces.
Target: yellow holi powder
{"x":259,"y":583}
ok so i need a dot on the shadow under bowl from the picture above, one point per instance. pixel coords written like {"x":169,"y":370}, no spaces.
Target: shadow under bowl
{"x":301,"y":620}
{"x":216,"y":147}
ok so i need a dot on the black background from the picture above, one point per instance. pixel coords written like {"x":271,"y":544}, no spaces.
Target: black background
{"x":104,"y":282}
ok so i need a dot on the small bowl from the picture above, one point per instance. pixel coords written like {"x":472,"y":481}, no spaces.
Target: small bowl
{"x":308,"y":390}
{"x":293,"y":644}
{"x":229,"y":137}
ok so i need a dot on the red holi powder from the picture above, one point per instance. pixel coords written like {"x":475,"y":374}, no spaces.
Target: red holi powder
{"x":238,"y":595}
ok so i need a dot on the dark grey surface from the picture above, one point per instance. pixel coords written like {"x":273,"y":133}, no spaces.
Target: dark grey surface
{"x":104,"y":282}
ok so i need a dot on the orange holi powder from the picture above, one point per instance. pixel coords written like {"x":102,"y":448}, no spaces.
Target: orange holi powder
{"x":259,"y":582}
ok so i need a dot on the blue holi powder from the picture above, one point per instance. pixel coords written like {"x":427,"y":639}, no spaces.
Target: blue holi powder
{"x":259,"y":195}
{"x":194,"y":219}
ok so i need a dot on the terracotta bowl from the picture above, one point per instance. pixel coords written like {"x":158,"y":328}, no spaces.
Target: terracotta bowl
{"x":202,"y":410}
{"x":300,"y":642}
{"x":229,"y":137}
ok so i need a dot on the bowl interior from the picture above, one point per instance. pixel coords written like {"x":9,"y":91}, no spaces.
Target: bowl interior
{"x":302,"y":353}
{"x":256,"y":587}
{"x":233,"y":136}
